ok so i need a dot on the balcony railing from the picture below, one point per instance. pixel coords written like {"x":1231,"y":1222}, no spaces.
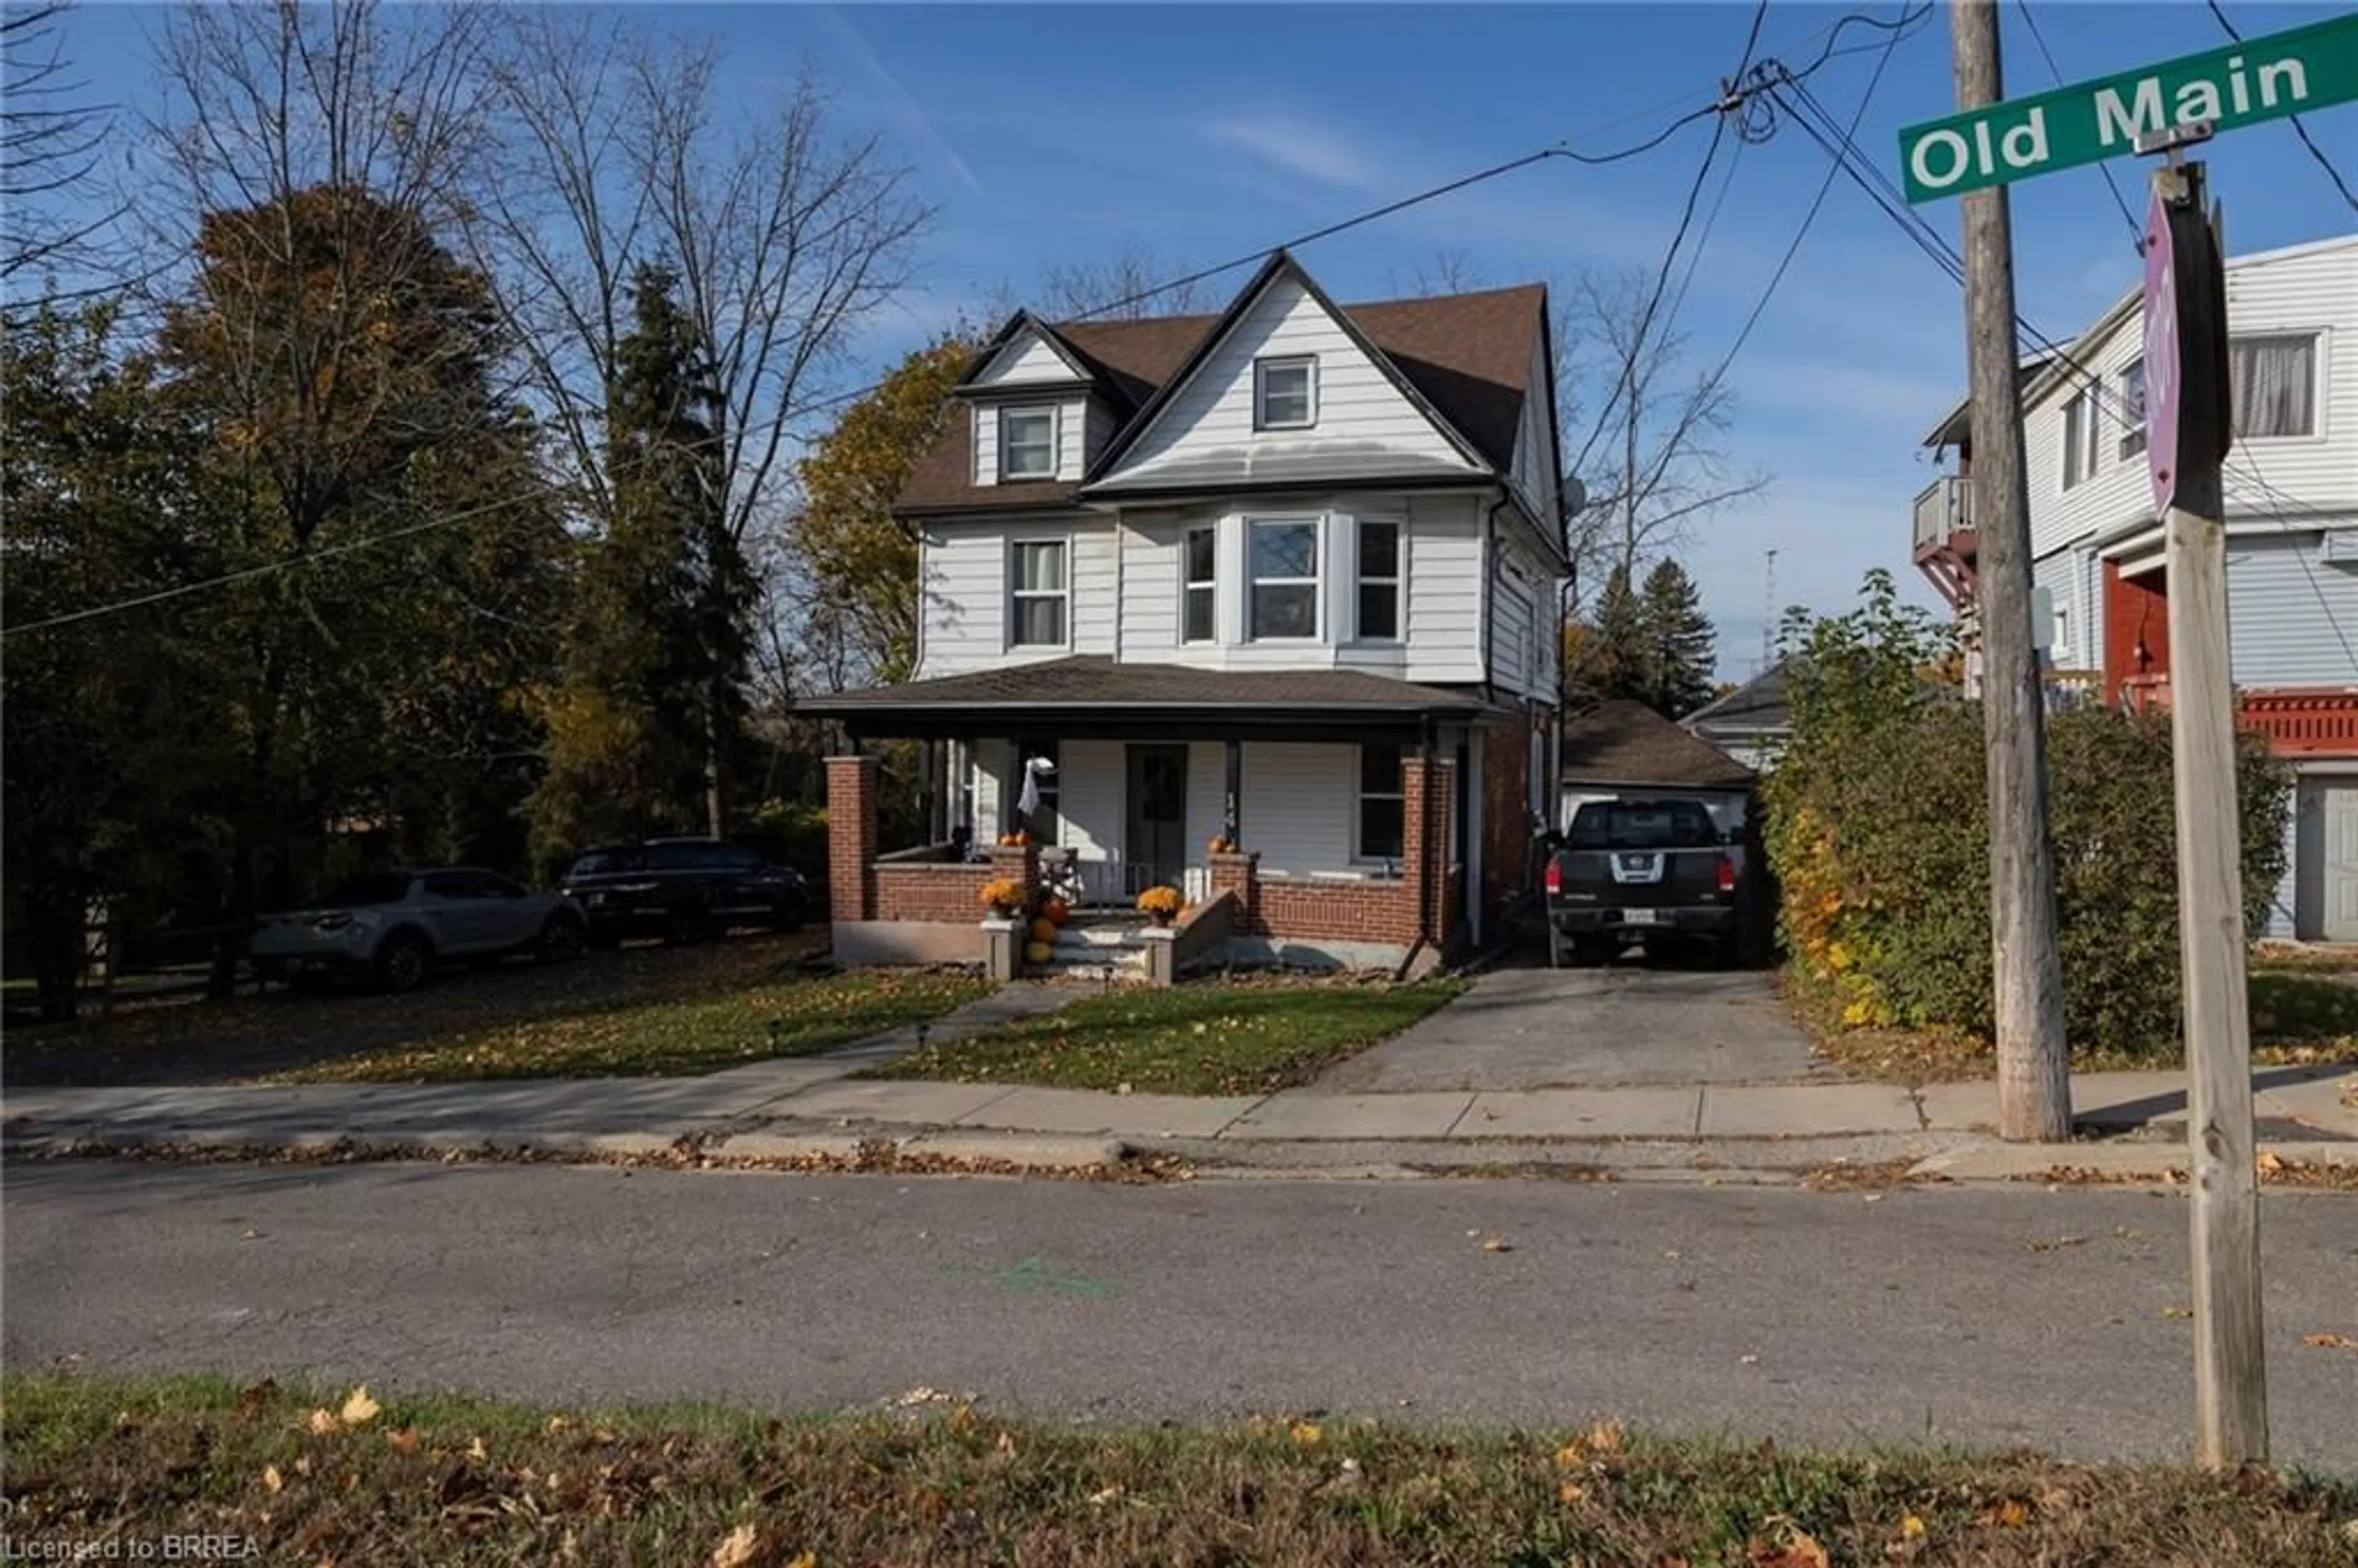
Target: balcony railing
{"x":2298,"y":723}
{"x":1943,"y":510}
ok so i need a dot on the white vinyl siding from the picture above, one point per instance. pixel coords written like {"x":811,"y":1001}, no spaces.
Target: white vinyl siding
{"x":967,"y":573}
{"x":1093,"y":779}
{"x":1365,"y":425}
{"x":2310,"y":290}
{"x":1511,"y":645}
{"x":1291,"y":795}
{"x":1026,"y":358}
{"x":2290,"y":610}
{"x":986,"y":443}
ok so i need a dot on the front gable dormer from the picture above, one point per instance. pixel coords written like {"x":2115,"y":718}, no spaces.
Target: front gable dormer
{"x":1037,"y":408}
{"x":1284,"y":388}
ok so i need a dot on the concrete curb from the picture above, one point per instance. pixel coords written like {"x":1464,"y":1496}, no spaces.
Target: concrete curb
{"x":2119,"y":1161}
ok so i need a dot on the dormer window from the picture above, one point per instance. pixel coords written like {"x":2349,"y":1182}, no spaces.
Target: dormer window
{"x":1285,"y":393}
{"x":1027,"y":443}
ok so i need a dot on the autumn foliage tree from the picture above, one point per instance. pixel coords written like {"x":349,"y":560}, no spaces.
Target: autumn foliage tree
{"x":857,"y":565}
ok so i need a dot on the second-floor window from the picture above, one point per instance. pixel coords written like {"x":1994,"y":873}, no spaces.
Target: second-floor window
{"x":2275,"y":385}
{"x":2133,"y":409}
{"x":1027,"y":443}
{"x":1285,"y":393}
{"x":2080,"y":440}
{"x":1201,"y":590}
{"x":1379,"y":583}
{"x":1040,"y":602}
{"x":1285,"y":560}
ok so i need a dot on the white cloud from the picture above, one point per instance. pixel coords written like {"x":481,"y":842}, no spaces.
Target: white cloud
{"x":1326,"y":154}
{"x":900,"y":104}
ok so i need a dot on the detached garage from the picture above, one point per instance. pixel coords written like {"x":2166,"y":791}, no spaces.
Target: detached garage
{"x":1623,"y":748}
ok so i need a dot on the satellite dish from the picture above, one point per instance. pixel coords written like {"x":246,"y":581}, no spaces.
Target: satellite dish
{"x":1575,"y":494}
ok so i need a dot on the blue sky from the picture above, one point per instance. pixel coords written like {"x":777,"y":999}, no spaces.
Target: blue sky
{"x":1198,"y":133}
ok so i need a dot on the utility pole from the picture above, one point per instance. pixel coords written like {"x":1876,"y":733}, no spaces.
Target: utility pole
{"x":2033,"y":1080}
{"x":2188,"y":430}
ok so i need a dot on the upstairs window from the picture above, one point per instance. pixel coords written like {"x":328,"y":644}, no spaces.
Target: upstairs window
{"x":1382,"y":814}
{"x":2133,"y":409}
{"x":1040,"y":606}
{"x":1285,"y":393}
{"x":2275,"y":385}
{"x":1285,"y":580}
{"x":1027,"y":443}
{"x":2079,"y":439}
{"x":1201,"y":590}
{"x":1379,"y":583}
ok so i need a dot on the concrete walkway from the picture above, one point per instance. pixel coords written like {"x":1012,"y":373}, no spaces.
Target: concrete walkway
{"x":777,"y":1108}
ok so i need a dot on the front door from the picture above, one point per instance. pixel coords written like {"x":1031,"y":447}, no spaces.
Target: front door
{"x":1157,"y":847}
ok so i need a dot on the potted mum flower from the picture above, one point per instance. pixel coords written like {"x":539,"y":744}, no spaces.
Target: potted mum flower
{"x":1162,"y":905}
{"x":1004,"y":896}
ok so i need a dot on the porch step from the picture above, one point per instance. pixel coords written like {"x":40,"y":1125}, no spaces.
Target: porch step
{"x":1089,"y":949}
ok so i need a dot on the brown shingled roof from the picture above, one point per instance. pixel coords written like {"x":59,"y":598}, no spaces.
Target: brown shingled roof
{"x":1626,"y":743}
{"x":1094,"y":681}
{"x":1469,"y":355}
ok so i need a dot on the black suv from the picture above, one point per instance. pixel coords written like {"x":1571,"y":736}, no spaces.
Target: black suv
{"x":682,"y":890}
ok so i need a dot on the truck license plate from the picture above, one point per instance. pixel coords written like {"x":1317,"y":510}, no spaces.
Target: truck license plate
{"x":1642,"y":917}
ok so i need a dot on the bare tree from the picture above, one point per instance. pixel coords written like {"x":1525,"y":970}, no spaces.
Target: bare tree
{"x":1653,"y":460}
{"x":1128,"y":285}
{"x":51,"y":140}
{"x":785,"y":239}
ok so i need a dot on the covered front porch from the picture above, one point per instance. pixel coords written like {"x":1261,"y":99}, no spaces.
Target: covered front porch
{"x":1333,"y":832}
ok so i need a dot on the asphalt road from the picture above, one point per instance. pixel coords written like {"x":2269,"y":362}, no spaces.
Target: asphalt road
{"x":1984,"y":1316}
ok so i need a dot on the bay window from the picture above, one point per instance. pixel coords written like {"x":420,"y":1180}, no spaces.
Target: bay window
{"x":1284,"y":572}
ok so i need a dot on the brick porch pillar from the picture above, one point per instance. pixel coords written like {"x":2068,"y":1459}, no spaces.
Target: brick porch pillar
{"x":1426,"y":864}
{"x":1239,"y":874}
{"x":851,"y":788}
{"x":1018,"y":862}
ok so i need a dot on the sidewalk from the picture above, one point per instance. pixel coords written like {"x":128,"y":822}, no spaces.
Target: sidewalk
{"x":769,"y":1109}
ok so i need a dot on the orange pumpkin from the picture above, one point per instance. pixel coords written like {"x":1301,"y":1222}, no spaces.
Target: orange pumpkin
{"x":1044,"y":930}
{"x":1057,"y":911}
{"x":1037,"y":952}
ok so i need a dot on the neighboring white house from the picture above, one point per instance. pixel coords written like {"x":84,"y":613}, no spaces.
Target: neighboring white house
{"x":1287,"y":576}
{"x":2291,"y":487}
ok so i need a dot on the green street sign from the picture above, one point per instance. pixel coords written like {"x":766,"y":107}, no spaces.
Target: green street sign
{"x":2259,"y":79}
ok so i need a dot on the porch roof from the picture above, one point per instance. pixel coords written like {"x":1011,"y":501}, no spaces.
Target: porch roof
{"x":1093,"y":694}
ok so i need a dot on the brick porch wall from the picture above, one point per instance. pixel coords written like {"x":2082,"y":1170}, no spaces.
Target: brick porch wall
{"x":1314,"y":909}
{"x":851,"y":789}
{"x":914,"y":885}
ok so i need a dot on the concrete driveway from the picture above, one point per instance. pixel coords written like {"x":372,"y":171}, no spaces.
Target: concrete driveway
{"x":1532,"y":1027}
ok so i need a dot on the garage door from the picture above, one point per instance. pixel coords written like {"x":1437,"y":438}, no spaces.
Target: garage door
{"x":2339,"y":874}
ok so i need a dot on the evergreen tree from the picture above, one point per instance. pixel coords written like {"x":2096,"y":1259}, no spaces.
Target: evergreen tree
{"x":1676,"y":645}
{"x":1603,"y":656}
{"x":654,"y":689}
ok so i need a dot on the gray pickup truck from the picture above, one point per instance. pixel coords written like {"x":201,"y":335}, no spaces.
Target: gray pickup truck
{"x":1633,"y":869}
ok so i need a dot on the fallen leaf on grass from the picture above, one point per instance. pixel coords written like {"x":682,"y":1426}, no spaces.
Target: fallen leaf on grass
{"x":2009,"y":1514}
{"x":323,"y":1422}
{"x":359,"y":1409}
{"x":272,"y":1481}
{"x":1911,"y":1526}
{"x":2329,"y":1341}
{"x":1570,"y":1492}
{"x":1307,"y":1434}
{"x":737,"y":1548}
{"x":404,"y":1438}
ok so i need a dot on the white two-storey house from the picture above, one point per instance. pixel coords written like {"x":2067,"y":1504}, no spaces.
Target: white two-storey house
{"x":2291,"y":491}
{"x":1263,"y":604}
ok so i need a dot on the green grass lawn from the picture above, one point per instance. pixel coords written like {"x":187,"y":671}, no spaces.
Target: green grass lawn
{"x":1205,"y":1038}
{"x":2298,"y":1017}
{"x":672,"y":1036}
{"x":317,"y":1475}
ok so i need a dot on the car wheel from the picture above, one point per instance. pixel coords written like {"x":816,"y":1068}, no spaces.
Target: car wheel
{"x":686,"y":926}
{"x":402,"y":962}
{"x":562,"y":940}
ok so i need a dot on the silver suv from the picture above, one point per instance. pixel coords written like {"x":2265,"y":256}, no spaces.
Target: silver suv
{"x":391,"y":927}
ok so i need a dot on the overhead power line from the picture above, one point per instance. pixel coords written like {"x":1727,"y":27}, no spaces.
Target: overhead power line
{"x":2136,"y":230}
{"x":1729,"y":96}
{"x":2299,"y":129}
